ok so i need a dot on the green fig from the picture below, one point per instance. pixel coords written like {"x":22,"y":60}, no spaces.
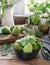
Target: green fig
{"x":17,"y":46}
{"x":21,"y":28}
{"x":29,"y":3}
{"x":28,"y":48}
{"x":6,"y":30}
{"x":16,"y":31}
{"x":31,"y":8}
{"x":12,"y":27}
{"x":35,"y":47}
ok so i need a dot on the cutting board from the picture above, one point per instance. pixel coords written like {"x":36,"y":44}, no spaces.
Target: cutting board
{"x":9,"y":37}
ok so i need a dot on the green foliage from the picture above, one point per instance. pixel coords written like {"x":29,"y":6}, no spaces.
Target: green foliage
{"x":38,"y":33}
{"x":42,"y":8}
{"x":33,"y":31}
{"x":48,"y":5}
{"x":35,"y":18}
{"x":5,"y":4}
{"x":6,"y":48}
{"x":39,"y":6}
{"x":28,"y":29}
{"x":3,"y":8}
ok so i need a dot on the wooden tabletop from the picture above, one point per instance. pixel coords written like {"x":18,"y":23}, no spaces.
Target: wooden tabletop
{"x":14,"y":60}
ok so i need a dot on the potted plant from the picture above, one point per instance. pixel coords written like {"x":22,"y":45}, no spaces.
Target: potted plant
{"x":7,"y":11}
{"x":41,"y":12}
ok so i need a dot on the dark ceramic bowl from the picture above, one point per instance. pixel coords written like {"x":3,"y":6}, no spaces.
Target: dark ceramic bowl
{"x":26,"y":56}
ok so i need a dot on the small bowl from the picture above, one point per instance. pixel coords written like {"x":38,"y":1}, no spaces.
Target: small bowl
{"x":26,"y":56}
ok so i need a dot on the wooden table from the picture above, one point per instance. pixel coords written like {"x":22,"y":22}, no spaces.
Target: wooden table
{"x":13,"y":60}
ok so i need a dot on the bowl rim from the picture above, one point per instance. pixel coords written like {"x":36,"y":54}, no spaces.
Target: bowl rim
{"x":26,"y":53}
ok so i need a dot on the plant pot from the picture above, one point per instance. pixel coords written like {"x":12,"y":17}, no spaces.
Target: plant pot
{"x":7,"y":19}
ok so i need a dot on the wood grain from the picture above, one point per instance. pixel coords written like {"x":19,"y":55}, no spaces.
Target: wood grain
{"x":11,"y":38}
{"x":13,"y":60}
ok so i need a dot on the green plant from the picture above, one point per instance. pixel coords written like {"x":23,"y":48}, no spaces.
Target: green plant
{"x":6,"y":4}
{"x":6,"y":48}
{"x":39,"y":7}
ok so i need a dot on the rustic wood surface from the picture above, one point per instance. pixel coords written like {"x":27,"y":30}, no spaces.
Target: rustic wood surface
{"x":11,"y":38}
{"x":13,"y":60}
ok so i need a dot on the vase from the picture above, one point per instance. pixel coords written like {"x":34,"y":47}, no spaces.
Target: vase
{"x":7,"y":19}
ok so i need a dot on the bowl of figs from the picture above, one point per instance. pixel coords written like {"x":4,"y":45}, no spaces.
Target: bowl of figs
{"x":27,"y":48}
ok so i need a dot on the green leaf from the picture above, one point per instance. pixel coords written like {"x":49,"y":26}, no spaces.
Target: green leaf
{"x":12,"y":49}
{"x":28,"y":30}
{"x":38,"y":33}
{"x":40,"y":7}
{"x":6,"y":48}
{"x":27,"y":20}
{"x":48,"y":5}
{"x":35,"y":18}
{"x":3,"y":9}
